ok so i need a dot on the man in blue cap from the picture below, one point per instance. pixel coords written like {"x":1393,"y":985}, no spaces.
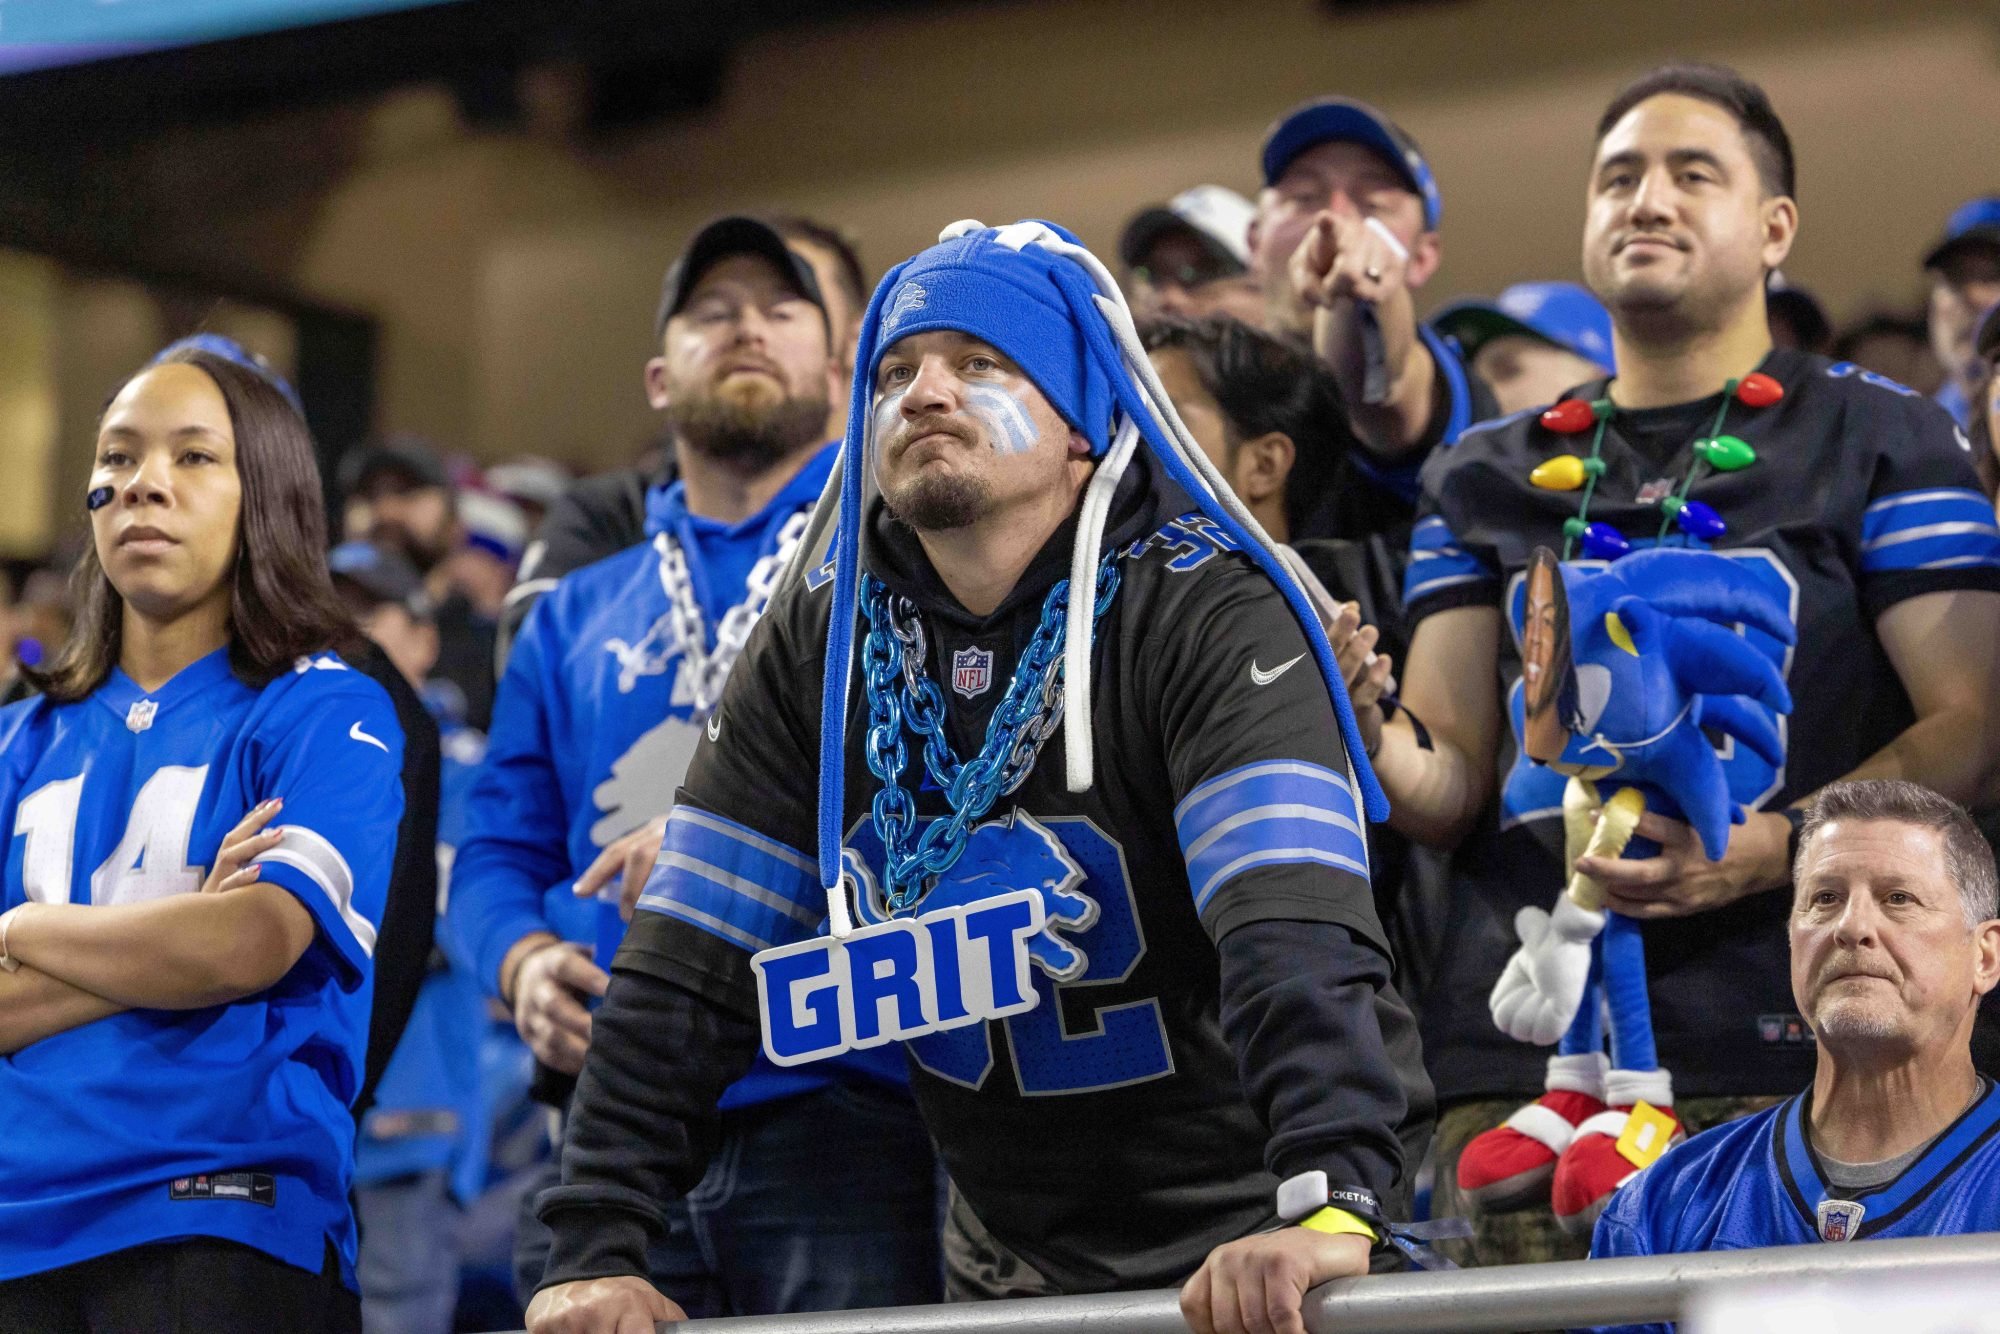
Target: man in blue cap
{"x":1964,"y":269}
{"x":1199,"y":1030}
{"x":1346,"y":231}
{"x":1532,"y":341}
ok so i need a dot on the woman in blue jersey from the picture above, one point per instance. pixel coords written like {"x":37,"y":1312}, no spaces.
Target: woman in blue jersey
{"x":201,"y":812}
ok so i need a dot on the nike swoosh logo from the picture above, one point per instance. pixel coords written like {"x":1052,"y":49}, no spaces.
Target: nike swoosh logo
{"x":714,"y":727}
{"x":1264,"y":678}
{"x":359,"y":735}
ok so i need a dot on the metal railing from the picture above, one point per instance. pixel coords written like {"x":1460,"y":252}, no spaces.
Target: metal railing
{"x":1464,"y":1301}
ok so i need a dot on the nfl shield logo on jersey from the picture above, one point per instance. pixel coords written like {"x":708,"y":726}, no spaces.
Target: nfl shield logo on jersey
{"x":1839,"y":1219}
{"x":971,"y":671}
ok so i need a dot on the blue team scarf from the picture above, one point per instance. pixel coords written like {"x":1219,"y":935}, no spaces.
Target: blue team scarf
{"x":1035,"y":293}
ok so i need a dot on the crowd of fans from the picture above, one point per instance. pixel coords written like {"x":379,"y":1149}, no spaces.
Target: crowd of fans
{"x":540,"y":625}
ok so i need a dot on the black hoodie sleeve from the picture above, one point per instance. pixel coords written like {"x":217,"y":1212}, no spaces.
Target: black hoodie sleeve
{"x":1328,"y":1054}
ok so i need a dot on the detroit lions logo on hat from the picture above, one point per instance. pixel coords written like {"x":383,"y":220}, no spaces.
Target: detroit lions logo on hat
{"x":908,"y":301}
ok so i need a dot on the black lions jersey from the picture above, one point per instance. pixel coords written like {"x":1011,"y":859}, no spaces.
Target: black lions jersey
{"x":1862,"y":494}
{"x":1111,"y":1136}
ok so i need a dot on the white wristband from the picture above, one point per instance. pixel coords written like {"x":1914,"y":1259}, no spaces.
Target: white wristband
{"x":7,"y":961}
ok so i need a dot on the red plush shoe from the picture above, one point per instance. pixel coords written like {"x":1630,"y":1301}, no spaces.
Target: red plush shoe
{"x":1591,"y":1169}
{"x":1510,"y":1166}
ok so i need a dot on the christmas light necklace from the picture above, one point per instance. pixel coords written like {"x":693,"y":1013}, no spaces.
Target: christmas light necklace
{"x":1721,"y":453}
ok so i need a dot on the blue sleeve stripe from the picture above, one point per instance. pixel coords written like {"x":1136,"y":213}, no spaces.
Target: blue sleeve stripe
{"x":1420,"y":582}
{"x":706,"y":903}
{"x":721,"y":879}
{"x":1275,"y":857}
{"x":1437,"y":561}
{"x":1922,"y":531}
{"x":1913,"y":510}
{"x":319,"y":861}
{"x":1905,"y":498}
{"x":1957,"y":544}
{"x":1431,"y":533}
{"x":735,"y":935}
{"x":1260,"y":784}
{"x":750,"y":838}
{"x":1984,"y":562}
{"x":1319,"y":836}
{"x":732,"y":882}
{"x":1277,"y":811}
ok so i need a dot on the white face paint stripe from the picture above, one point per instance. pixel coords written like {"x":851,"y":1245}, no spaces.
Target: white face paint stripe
{"x":1005,"y":419}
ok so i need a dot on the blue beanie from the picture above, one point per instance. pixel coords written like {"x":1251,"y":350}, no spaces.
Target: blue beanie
{"x":1021,"y":301}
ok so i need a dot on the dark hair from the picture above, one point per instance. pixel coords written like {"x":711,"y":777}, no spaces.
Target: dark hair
{"x":853,"y":278}
{"x":1968,"y":858}
{"x":1263,"y":384}
{"x":1765,"y":134}
{"x":1880,"y":324}
{"x":282,"y":605}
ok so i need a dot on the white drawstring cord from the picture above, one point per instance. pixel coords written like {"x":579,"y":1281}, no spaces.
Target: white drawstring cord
{"x":1078,"y":747}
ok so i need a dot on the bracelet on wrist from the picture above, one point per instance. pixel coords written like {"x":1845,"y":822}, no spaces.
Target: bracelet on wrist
{"x":1339,"y":1222}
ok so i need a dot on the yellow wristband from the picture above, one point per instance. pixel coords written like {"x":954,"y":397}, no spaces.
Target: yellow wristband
{"x":1336,"y":1222}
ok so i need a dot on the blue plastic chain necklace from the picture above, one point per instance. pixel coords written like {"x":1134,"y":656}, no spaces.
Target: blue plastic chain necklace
{"x":1026,"y":717}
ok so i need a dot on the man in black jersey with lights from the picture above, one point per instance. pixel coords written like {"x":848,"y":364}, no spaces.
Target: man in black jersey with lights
{"x":1212,"y":1044}
{"x":1852,"y":496}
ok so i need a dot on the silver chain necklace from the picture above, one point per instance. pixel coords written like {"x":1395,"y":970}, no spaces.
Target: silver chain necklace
{"x":708,"y":669}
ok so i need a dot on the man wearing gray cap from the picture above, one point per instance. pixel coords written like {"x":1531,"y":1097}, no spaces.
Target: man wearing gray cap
{"x":1346,"y":231}
{"x":1191,"y":257}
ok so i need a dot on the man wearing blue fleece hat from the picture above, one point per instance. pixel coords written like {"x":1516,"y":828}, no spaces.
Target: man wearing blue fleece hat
{"x":1346,"y":232}
{"x":1198,"y":1032}
{"x":1532,"y":341}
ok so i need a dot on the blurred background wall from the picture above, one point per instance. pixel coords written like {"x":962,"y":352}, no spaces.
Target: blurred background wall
{"x":493,"y":247}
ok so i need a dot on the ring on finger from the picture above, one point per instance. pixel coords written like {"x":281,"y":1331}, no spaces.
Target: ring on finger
{"x":1374,"y":273}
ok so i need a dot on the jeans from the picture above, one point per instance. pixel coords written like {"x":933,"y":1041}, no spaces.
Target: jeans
{"x":409,"y":1254}
{"x":824,"y":1202}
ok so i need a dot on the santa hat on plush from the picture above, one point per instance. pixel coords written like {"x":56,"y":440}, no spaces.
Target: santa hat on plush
{"x":1035,"y":293}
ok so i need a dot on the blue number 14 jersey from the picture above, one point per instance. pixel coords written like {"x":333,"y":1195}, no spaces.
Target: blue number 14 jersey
{"x":231,"y":1121}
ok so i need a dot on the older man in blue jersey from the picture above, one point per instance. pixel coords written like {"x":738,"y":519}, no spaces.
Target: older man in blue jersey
{"x":1893,"y":943}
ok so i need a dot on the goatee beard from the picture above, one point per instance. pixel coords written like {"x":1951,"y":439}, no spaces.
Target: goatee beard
{"x":939,"y":504}
{"x":755,"y":437}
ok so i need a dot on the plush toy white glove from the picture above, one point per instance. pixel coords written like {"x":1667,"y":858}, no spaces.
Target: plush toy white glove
{"x":1539,"y":991}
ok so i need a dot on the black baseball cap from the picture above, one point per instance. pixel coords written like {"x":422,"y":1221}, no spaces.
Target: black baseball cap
{"x":382,"y":575}
{"x":735,"y":235}
{"x":1975,"y":224}
{"x":404,"y":454}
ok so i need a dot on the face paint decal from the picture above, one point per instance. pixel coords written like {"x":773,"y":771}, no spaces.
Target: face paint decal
{"x":1005,"y":420}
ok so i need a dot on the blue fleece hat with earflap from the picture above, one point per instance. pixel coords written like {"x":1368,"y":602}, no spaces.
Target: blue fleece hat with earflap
{"x":1034,"y":292}
{"x":1011,"y":299}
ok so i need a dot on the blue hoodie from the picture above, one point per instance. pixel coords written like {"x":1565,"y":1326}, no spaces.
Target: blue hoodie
{"x":592,"y":733}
